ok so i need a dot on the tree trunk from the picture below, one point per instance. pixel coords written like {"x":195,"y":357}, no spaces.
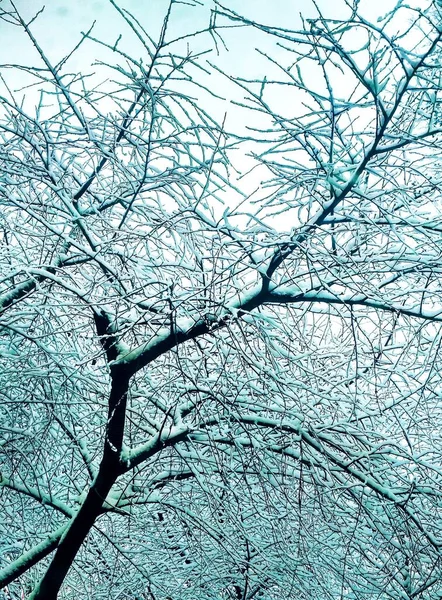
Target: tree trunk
{"x":91,"y":508}
{"x":75,"y":535}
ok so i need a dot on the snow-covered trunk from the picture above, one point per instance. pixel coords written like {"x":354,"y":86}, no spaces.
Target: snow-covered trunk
{"x":83,"y":521}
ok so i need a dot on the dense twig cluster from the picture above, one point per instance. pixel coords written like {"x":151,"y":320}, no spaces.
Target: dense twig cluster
{"x":211,"y":394}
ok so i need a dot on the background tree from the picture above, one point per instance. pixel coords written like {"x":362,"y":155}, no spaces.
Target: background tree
{"x":208,"y":393}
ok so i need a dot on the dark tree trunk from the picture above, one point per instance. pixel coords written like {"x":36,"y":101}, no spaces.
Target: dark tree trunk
{"x":74,"y":537}
{"x":83,"y":521}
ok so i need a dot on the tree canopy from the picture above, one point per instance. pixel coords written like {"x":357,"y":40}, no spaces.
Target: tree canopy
{"x":220,"y":310}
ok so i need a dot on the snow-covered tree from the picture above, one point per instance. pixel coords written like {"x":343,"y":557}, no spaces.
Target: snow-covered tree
{"x":210,"y":390}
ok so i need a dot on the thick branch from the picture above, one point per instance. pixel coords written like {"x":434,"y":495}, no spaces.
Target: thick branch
{"x":283,"y":296}
{"x":182,"y":332}
{"x":30,"y":558}
{"x":34,"y":493}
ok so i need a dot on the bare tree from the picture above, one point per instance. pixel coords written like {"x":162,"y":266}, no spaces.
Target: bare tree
{"x":208,"y":393}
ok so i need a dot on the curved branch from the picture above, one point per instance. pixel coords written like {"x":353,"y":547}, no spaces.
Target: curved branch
{"x":31,"y":557}
{"x":34,"y":493}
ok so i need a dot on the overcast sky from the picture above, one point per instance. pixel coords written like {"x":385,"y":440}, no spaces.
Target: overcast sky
{"x":59,"y":28}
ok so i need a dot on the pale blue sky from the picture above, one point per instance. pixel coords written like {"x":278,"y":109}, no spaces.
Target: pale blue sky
{"x":59,"y":27}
